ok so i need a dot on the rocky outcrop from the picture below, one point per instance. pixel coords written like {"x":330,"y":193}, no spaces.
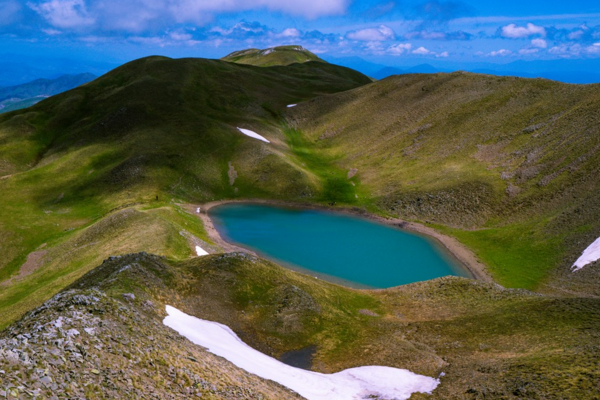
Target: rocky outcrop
{"x":85,"y":344}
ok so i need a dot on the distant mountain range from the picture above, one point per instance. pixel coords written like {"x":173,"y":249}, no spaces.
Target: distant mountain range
{"x":567,"y":71}
{"x":16,"y":69}
{"x":102,"y":187}
{"x":27,"y":94}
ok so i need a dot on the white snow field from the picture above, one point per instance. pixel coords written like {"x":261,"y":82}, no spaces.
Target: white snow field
{"x":253,"y":134}
{"x":350,"y":384}
{"x":589,"y":255}
{"x":291,"y":105}
{"x":200,"y":251}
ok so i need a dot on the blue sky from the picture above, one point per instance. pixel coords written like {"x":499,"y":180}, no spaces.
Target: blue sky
{"x":452,"y":33}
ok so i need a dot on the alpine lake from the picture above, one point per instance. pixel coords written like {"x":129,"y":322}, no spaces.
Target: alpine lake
{"x":336,"y":247}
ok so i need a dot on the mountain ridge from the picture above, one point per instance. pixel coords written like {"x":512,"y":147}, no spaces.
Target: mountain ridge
{"x":279,"y":55}
{"x":96,"y":220}
{"x":82,"y":168}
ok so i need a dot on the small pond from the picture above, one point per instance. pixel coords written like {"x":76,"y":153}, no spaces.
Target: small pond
{"x":337,"y":247}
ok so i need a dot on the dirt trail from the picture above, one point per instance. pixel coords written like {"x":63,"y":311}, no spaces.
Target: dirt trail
{"x":34,"y":261}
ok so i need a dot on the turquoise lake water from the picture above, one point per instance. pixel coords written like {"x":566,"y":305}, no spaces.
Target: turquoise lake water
{"x":337,"y":247}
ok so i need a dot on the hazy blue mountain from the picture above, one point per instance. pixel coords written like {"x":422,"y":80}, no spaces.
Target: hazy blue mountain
{"x":568,"y":71}
{"x":27,"y":94}
{"x":16,"y":69}
{"x":366,"y":67}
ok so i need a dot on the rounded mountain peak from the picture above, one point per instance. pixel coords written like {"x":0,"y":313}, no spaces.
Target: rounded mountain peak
{"x":280,"y":55}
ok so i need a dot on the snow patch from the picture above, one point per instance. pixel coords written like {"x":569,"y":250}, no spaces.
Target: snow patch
{"x":589,"y":255}
{"x":200,"y":251}
{"x":253,"y":134}
{"x":291,"y":105}
{"x":354,"y":383}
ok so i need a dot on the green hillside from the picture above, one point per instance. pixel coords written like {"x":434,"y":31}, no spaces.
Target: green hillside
{"x":97,"y":171}
{"x":116,"y":168}
{"x":280,"y":55}
{"x":507,"y":165}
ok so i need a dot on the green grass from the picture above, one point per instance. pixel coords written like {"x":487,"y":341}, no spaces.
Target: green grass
{"x":517,"y":255}
{"x":474,"y":332}
{"x":154,"y":229}
{"x":84,"y":170}
{"x":487,"y":159}
{"x":336,"y":187}
{"x":279,"y":55}
{"x":423,"y":149}
{"x":318,"y":311}
{"x":154,"y":128}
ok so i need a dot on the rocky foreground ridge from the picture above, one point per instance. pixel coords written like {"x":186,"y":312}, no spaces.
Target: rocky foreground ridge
{"x":84,"y":344}
{"x":103,"y":336}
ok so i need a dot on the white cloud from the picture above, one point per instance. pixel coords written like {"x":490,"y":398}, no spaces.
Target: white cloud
{"x":378,"y":34}
{"x":180,"y":36}
{"x":563,"y":50}
{"x":131,"y":15}
{"x":526,"y":52}
{"x":443,"y":54}
{"x":290,"y":32}
{"x":197,"y":10}
{"x":500,"y":53}
{"x":540,"y":43}
{"x":51,"y":32}
{"x":422,"y":51}
{"x":154,"y":15}
{"x":513,"y":31}
{"x":374,"y":48}
{"x":575,"y":35}
{"x":151,"y":41}
{"x":241,"y":27}
{"x":67,"y":14}
{"x":575,"y":50}
{"x":399,"y":49}
{"x":593,"y":49}
{"x":425,"y":35}
{"x":438,"y":35}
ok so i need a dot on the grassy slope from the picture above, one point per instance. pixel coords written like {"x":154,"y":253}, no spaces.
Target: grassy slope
{"x":81,"y":173}
{"x":506,"y":165}
{"x":489,"y":341}
{"x":280,"y":55}
{"x":154,"y":128}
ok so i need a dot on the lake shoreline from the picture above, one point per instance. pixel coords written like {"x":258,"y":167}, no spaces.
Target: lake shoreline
{"x":460,"y":252}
